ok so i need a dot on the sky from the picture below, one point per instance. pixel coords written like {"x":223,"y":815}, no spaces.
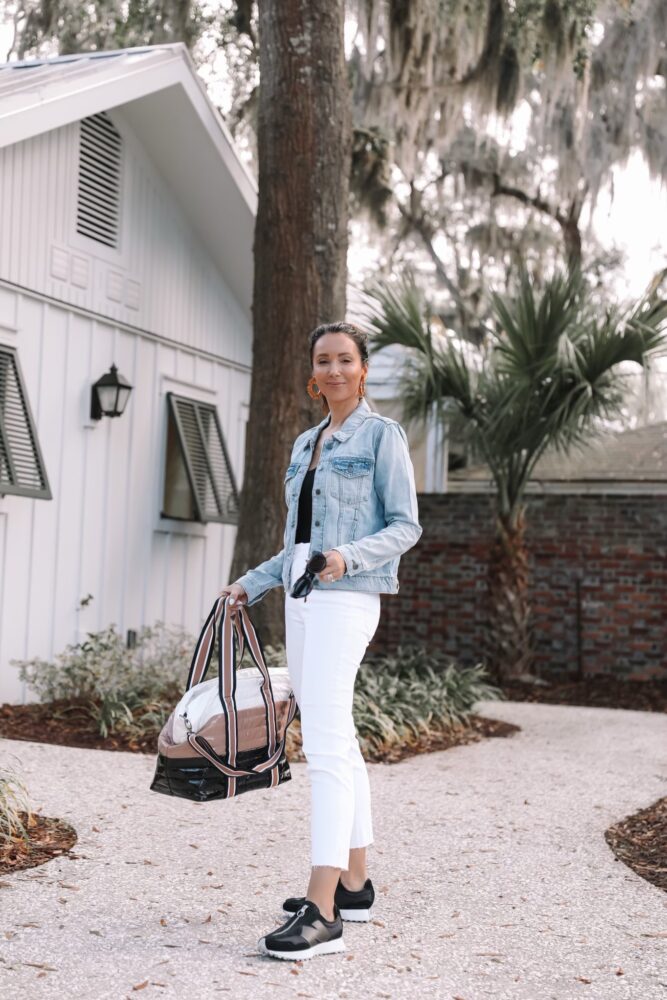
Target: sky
{"x":636,"y":219}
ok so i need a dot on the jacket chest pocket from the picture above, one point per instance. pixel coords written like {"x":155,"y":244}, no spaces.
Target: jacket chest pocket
{"x":351,"y":479}
{"x":289,"y":481}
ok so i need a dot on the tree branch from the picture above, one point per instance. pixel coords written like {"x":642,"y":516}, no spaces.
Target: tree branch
{"x":415,"y":220}
{"x":568,"y":221}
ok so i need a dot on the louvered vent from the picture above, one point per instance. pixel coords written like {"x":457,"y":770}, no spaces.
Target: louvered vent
{"x":199,"y":481}
{"x":22,"y":468}
{"x":98,"y":205}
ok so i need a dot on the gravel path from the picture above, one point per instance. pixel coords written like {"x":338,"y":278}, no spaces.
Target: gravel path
{"x":494,"y":877}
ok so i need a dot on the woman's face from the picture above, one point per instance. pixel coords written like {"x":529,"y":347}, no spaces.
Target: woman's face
{"x":337,"y":367}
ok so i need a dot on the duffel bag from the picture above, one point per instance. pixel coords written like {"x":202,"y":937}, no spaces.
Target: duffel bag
{"x":226,"y":735}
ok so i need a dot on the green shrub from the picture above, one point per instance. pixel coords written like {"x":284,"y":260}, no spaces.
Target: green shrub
{"x":128,"y":691}
{"x":102,"y":663}
{"x":121,"y":689}
{"x":415,"y":693}
{"x":13,"y":802}
{"x":399,"y":699}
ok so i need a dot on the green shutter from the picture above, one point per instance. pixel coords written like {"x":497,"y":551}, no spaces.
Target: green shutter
{"x":203,"y":462}
{"x":22,"y":469}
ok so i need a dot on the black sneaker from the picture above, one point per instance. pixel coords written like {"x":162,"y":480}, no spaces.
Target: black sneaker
{"x":305,"y":935}
{"x":352,"y":905}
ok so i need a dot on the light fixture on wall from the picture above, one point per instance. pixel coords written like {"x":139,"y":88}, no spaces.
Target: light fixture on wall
{"x":109,"y":395}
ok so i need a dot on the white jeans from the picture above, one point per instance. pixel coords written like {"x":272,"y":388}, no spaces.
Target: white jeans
{"x":326,"y":637}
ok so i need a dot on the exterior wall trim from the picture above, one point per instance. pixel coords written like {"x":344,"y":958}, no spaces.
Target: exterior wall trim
{"x":238,"y":366}
{"x":574,"y":487}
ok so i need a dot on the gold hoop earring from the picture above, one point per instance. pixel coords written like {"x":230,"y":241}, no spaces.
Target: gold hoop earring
{"x":362,"y":389}
{"x":309,"y":389}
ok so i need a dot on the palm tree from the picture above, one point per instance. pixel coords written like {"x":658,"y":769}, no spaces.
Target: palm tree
{"x":553,"y":372}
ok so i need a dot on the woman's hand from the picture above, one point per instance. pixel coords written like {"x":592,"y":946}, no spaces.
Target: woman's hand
{"x":335,"y":567}
{"x":238,"y":596}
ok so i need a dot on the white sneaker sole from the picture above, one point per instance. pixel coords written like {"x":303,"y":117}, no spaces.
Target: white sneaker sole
{"x":361,"y":916}
{"x":325,"y":948}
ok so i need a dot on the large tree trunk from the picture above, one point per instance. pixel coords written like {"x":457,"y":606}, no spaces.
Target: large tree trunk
{"x":509,"y":640}
{"x":304,"y":141}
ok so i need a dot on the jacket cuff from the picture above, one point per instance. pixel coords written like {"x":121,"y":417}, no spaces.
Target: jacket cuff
{"x":254,"y":591}
{"x":350,"y":553}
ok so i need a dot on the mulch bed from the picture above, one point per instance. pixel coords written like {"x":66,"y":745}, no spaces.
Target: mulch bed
{"x":47,"y":838}
{"x":640,"y":841}
{"x":599,"y":691}
{"x":53,"y":723}
{"x":479,"y":728}
{"x":65,"y":724}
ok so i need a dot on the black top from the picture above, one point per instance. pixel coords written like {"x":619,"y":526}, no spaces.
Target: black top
{"x":305,"y":513}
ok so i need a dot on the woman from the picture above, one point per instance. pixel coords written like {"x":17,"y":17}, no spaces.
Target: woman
{"x":350,"y":494}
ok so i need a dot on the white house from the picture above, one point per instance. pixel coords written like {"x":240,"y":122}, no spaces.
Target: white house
{"x":126,"y":229}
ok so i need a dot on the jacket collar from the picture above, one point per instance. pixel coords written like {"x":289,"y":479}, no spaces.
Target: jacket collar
{"x":349,"y":425}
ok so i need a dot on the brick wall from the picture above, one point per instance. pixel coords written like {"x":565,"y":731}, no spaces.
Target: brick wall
{"x":598,"y":582}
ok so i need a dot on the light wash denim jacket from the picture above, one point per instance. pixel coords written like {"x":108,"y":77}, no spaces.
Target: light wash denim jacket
{"x":364,"y":505}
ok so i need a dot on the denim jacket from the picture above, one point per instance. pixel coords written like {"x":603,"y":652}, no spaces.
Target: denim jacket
{"x":364,"y":505}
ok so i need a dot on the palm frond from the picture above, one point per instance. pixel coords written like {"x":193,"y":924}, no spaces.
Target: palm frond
{"x":536,"y":330}
{"x":401,"y":315}
{"x":435,"y":372}
{"x":556,"y":371}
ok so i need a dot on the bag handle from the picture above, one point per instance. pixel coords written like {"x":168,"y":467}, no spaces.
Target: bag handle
{"x":204,"y":649}
{"x":243,"y":630}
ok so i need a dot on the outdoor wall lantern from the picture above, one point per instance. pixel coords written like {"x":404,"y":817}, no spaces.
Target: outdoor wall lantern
{"x":110,"y":395}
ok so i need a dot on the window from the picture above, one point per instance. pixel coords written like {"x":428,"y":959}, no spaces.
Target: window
{"x":22,"y":469}
{"x":98,"y":200}
{"x":199,"y":483}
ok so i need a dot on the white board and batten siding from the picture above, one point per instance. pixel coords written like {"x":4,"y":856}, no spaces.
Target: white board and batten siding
{"x":157,"y":307}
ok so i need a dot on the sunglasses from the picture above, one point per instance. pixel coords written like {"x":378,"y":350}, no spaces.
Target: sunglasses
{"x":303,"y":586}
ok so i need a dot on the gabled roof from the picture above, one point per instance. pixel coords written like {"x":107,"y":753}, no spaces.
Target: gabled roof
{"x":633,"y":461}
{"x":166,"y":104}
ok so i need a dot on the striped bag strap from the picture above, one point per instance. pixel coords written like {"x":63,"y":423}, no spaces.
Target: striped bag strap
{"x":201,"y":658}
{"x":227,"y":685}
{"x":241,"y":628}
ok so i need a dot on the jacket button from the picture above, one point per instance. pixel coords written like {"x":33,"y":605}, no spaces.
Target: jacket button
{"x":317,"y":524}
{"x":318,"y":492}
{"x":355,"y":566}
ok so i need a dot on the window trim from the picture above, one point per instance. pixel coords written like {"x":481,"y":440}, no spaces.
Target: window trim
{"x":172,"y":413}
